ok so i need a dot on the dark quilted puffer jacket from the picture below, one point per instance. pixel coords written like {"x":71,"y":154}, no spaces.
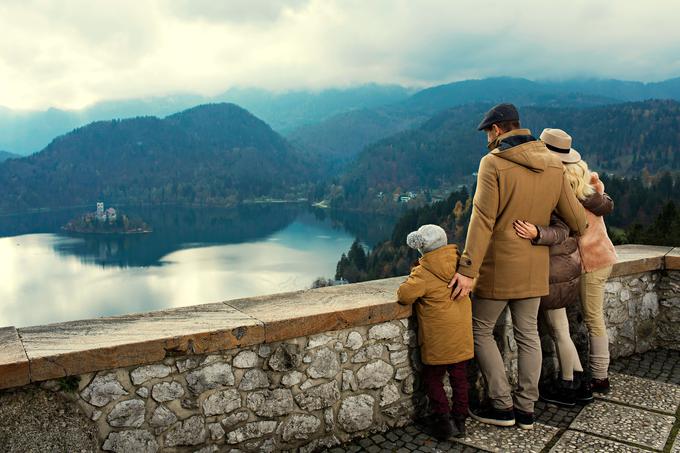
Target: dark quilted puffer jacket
{"x":565,"y":264}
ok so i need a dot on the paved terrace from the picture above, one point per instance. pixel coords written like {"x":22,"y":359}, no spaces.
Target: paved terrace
{"x":639,"y":415}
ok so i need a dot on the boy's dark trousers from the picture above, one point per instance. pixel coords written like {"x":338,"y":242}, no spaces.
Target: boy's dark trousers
{"x":432,"y":377}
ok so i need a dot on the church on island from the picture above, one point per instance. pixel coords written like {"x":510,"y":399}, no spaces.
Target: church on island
{"x":104,"y":215}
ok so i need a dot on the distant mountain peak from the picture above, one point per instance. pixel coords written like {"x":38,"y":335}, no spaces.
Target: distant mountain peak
{"x":4,"y":155}
{"x":212,"y":107}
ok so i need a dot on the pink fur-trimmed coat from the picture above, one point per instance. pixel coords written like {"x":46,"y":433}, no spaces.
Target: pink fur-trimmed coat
{"x":597,"y":250}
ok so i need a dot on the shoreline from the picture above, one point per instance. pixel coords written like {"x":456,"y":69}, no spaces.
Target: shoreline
{"x":152,"y":205}
{"x":109,"y":233}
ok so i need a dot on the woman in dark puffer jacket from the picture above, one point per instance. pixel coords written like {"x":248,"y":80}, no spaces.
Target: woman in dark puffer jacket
{"x":595,"y":251}
{"x":565,"y":278}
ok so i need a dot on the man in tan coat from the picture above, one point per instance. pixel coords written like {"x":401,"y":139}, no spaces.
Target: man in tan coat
{"x":518,"y":180}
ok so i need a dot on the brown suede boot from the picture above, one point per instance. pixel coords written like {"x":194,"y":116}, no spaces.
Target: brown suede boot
{"x":600,"y":385}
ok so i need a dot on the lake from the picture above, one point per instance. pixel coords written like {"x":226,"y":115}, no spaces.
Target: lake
{"x":193,"y":256}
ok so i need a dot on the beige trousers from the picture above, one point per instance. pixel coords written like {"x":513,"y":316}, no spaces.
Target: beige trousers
{"x":524,"y":312}
{"x":566,"y":351}
{"x":592,"y":301}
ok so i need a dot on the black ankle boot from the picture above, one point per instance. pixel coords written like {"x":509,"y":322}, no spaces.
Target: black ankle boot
{"x":459,"y":423}
{"x":441,"y":428}
{"x":559,"y":392}
{"x":584,"y":392}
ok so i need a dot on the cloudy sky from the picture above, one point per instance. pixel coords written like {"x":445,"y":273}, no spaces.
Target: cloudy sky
{"x":71,"y":53}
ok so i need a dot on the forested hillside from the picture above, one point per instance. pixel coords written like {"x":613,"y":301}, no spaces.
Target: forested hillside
{"x":344,"y":135}
{"x":4,"y":155}
{"x":444,"y":152}
{"x":646,"y":211}
{"x":212,"y":154}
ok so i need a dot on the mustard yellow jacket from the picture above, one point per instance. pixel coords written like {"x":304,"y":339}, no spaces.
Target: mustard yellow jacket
{"x":444,"y":326}
{"x":518,"y":179}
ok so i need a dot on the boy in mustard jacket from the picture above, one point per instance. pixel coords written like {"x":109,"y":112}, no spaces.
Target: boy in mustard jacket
{"x":444,"y":327}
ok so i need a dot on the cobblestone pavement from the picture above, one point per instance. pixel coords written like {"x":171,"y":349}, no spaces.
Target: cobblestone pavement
{"x":640,"y":414}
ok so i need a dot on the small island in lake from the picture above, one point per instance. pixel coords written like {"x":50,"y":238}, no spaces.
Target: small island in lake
{"x":107,"y":221}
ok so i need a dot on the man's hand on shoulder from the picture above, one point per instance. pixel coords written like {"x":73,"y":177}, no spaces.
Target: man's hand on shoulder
{"x":462,"y":286}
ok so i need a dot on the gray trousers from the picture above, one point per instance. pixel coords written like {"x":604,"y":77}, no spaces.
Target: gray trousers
{"x":524,"y":312}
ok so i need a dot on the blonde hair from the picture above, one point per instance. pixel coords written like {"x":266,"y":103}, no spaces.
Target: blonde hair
{"x":578,"y":176}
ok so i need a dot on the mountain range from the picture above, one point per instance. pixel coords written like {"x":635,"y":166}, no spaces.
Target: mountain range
{"x":379,"y":110}
{"x":344,"y":135}
{"x":216,"y":154}
{"x":443,"y":152}
{"x":221,"y":154}
{"x":25,"y":132}
{"x":4,"y":155}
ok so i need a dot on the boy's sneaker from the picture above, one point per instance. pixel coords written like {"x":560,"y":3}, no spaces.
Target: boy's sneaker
{"x":492,"y":416}
{"x":525,"y":420}
{"x":600,"y":385}
{"x":559,"y":392}
{"x":459,"y":424}
{"x":584,"y":393}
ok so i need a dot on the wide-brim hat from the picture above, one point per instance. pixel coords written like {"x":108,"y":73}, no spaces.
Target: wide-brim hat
{"x":559,"y":143}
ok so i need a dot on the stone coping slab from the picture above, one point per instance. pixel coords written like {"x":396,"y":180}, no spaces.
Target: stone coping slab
{"x":309,"y":312}
{"x":635,"y":259}
{"x":673,"y":259}
{"x":77,"y":347}
{"x":14,"y":369}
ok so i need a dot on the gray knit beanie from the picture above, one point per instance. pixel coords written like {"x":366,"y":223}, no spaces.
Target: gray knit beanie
{"x":427,"y":238}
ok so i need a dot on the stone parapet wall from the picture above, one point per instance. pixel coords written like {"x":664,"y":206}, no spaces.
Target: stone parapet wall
{"x":632,"y":316}
{"x":306,"y":370}
{"x":668,"y":321}
{"x":631,"y":310}
{"x":307,"y":392}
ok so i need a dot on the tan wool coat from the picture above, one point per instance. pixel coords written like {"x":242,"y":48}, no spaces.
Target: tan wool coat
{"x":444,"y":326}
{"x":518,"y":179}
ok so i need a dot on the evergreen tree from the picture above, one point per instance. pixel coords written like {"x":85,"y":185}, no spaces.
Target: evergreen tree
{"x":357,"y":255}
{"x":664,"y":231}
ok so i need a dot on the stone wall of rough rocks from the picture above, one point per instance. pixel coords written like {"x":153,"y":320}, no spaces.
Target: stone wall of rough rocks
{"x":322,"y":390}
{"x":635,"y":316}
{"x":308,"y":392}
{"x":641,"y":313}
{"x":668,"y":326}
{"x":631,"y":312}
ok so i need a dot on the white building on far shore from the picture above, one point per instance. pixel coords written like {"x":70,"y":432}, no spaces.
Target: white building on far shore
{"x":104,"y":215}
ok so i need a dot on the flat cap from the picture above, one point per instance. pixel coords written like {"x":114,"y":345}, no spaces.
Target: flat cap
{"x":497,"y":114}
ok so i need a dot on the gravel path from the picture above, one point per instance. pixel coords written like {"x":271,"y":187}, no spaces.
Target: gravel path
{"x":33,"y":419}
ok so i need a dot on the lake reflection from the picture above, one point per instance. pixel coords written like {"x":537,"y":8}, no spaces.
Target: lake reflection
{"x":193,"y":256}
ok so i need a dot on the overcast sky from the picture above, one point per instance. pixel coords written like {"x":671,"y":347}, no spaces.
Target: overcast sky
{"x":71,"y":53}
